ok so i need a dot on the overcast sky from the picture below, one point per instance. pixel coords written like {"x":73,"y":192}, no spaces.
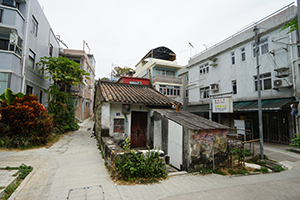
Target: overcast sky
{"x":121,"y":32}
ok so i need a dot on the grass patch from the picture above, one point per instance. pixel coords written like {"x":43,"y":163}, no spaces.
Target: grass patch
{"x":219,"y":171}
{"x":278,"y":168}
{"x":24,"y":170}
{"x":264,"y":170}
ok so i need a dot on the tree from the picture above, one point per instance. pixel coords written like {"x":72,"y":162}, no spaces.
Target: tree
{"x":119,"y":71}
{"x":104,"y":79}
{"x":64,"y":73}
{"x":293,"y":25}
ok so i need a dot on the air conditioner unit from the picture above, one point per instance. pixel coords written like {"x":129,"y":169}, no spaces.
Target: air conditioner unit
{"x":90,"y":87}
{"x":213,"y":62}
{"x":281,"y":82}
{"x":214,"y":87}
{"x":13,"y":39}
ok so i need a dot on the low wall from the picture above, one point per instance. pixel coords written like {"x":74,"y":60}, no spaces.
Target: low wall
{"x":111,"y":150}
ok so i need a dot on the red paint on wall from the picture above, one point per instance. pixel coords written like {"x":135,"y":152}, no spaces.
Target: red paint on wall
{"x":134,"y":80}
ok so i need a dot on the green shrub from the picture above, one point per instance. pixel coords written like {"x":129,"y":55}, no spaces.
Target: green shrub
{"x":278,"y":168}
{"x":296,"y":141}
{"x":240,"y":151}
{"x":62,"y":109}
{"x":135,"y":166}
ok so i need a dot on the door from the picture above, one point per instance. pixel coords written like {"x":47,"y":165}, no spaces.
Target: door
{"x":139,"y":129}
{"x":175,"y":144}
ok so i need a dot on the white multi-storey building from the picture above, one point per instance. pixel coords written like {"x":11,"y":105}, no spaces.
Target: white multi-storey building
{"x":230,"y":66}
{"x":25,"y":37}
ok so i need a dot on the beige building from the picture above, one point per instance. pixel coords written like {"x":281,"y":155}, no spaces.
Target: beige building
{"x":160,"y":66}
{"x":84,"y":92}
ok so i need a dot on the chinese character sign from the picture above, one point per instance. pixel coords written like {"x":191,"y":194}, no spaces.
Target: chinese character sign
{"x":222,"y":105}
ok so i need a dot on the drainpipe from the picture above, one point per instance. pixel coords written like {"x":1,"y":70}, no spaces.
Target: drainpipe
{"x":294,"y":77}
{"x":126,"y":126}
{"x":25,"y":45}
{"x":293,"y":66}
{"x":82,"y":105}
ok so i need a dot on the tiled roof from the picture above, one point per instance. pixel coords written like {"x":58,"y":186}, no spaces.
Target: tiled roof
{"x":190,"y":120}
{"x":133,"y":94}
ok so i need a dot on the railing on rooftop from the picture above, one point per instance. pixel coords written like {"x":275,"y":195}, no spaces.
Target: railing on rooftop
{"x":167,"y":79}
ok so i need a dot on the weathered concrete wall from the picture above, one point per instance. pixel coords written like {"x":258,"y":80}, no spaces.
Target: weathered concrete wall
{"x":186,"y":149}
{"x":206,"y":143}
{"x":163,"y":121}
{"x":97,"y":115}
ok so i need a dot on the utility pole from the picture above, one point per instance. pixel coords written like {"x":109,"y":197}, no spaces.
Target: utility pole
{"x":261,"y":135}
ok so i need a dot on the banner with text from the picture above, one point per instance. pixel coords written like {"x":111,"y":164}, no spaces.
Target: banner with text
{"x":223,"y":105}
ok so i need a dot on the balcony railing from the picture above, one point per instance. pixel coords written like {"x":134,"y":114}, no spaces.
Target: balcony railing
{"x":167,"y":79}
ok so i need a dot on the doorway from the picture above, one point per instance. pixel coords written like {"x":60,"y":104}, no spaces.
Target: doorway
{"x":139,"y":129}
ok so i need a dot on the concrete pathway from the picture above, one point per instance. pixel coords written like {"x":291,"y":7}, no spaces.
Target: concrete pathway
{"x":75,"y":162}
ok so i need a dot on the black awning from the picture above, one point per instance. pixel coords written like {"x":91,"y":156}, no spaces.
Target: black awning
{"x":245,"y":106}
{"x":267,"y":105}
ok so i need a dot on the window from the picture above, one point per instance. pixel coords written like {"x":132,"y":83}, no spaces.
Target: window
{"x":232,"y":58}
{"x":29,"y":89}
{"x":204,"y":69}
{"x":1,"y":13}
{"x":19,"y":47}
{"x":10,"y":3}
{"x":119,"y":125}
{"x":31,"y":59}
{"x":4,"y":44}
{"x":234,"y":88}
{"x":35,"y":25}
{"x":164,"y":72}
{"x":265,"y":81}
{"x":263,"y":47}
{"x":169,"y":90}
{"x":135,"y":82}
{"x":3,"y":82}
{"x":187,"y":78}
{"x":41,"y":96}
{"x":204,"y":93}
{"x":186,"y":93}
{"x":243,"y":54}
{"x":50,"y":50}
{"x":76,"y":102}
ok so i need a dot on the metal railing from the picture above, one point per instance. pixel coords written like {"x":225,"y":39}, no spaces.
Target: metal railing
{"x":167,"y":79}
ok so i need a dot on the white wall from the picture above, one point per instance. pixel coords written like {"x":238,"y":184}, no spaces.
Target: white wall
{"x":244,"y":71}
{"x":157,"y":134}
{"x":105,"y":116}
{"x":114,"y":111}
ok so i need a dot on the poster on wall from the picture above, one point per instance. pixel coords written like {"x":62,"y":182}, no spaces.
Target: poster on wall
{"x":223,"y":105}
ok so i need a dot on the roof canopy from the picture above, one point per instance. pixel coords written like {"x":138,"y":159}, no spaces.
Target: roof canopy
{"x":161,"y":52}
{"x":190,"y":120}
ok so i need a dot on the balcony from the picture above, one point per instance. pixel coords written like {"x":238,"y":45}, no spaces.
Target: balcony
{"x":167,"y":79}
